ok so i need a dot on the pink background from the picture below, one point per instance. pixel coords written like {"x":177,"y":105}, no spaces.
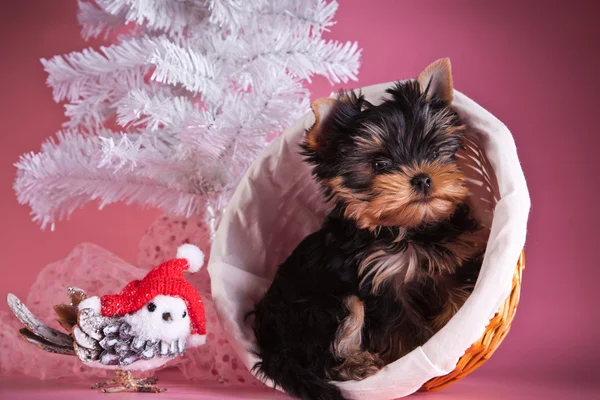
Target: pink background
{"x":533,"y":65}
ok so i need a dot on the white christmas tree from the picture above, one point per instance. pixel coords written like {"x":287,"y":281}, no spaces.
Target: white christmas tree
{"x":172,"y":114}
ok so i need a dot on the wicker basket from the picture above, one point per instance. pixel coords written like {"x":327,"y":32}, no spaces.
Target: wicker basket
{"x":277,"y":204}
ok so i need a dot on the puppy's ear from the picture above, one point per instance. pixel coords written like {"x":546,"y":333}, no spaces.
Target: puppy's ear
{"x":436,"y":80}
{"x":332,"y":117}
{"x":315,"y":137}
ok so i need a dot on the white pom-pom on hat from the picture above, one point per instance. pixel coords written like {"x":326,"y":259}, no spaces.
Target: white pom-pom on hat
{"x":193,"y":255}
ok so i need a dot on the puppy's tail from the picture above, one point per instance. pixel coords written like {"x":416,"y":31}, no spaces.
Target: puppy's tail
{"x":295,"y":380}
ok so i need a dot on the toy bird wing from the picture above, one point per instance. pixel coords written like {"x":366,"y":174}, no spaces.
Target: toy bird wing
{"x":37,"y":332}
{"x":83,"y":330}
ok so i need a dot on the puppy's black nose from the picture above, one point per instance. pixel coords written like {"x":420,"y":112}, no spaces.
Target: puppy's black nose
{"x":167,"y":317}
{"x":422,"y":182}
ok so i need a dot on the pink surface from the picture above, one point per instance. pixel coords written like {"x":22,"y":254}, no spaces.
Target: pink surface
{"x":533,"y":64}
{"x":506,"y":388}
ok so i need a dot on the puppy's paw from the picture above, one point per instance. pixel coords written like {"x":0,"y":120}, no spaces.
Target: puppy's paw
{"x":359,"y":366}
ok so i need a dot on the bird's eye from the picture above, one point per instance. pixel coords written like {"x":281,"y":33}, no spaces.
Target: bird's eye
{"x":434,"y":155}
{"x":380,"y":166}
{"x":151,"y":307}
{"x":184,"y":314}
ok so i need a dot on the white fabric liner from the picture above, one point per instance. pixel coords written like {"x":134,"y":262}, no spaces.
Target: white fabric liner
{"x":277,"y":204}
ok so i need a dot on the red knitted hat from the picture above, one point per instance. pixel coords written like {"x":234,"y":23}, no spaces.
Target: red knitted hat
{"x":166,"y":279}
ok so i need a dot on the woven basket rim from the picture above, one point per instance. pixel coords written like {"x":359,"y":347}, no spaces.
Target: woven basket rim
{"x":495,"y":332}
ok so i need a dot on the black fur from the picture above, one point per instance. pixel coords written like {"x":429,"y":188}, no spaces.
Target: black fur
{"x":296,"y":321}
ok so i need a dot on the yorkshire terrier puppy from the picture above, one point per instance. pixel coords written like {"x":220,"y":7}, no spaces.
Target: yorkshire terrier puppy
{"x":397,"y":255}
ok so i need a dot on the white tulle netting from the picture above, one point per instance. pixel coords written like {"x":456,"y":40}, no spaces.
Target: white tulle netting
{"x":98,"y":271}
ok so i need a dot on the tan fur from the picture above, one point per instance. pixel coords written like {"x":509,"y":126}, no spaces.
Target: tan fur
{"x":355,"y":203}
{"x":400,"y":268}
{"x":314,"y":137}
{"x":460,"y":250}
{"x":438,"y":75}
{"x":456,"y":297}
{"x":358,"y":366}
{"x":357,"y":363}
{"x":348,"y":337}
{"x":375,"y":141}
{"x":396,"y":204}
{"x":383,"y":266}
{"x":467,"y":244}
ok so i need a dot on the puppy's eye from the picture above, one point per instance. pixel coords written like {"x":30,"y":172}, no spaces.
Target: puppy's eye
{"x":151,"y":307}
{"x":184,"y":314}
{"x":434,"y":155}
{"x":380,"y":166}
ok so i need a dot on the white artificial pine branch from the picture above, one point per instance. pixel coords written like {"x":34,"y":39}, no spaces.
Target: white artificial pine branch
{"x":303,"y":57}
{"x":155,"y":108}
{"x":269,"y":109}
{"x":151,"y":157}
{"x":96,"y":22}
{"x":72,"y":75}
{"x":97,"y":103}
{"x":196,"y":88}
{"x":88,"y":114}
{"x":177,"y":65}
{"x":66,"y":175}
{"x":232,"y":13}
{"x":172,"y":16}
{"x":305,"y":18}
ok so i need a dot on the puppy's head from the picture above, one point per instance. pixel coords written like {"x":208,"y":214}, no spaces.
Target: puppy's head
{"x":393,"y":164}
